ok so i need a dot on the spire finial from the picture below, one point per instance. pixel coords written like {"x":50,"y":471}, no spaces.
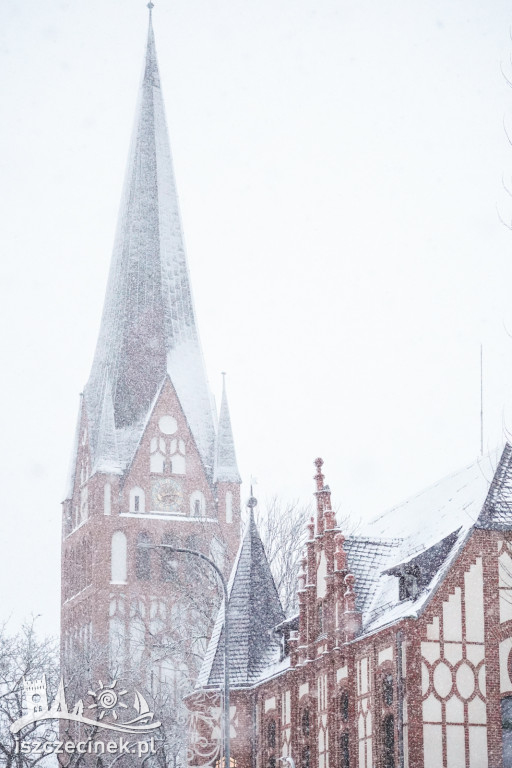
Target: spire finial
{"x":150,"y":5}
{"x":223,"y":374}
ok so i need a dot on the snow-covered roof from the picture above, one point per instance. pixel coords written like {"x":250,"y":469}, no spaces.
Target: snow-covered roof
{"x":254,"y":609}
{"x":148,"y":327}
{"x":426,"y":533}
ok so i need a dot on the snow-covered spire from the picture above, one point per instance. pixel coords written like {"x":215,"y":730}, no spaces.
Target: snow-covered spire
{"x":226,"y":468}
{"x":107,"y":456}
{"x":148,"y":328}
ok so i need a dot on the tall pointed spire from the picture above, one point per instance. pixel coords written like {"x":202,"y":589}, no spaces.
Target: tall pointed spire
{"x":148,"y":328}
{"x":226,"y":468}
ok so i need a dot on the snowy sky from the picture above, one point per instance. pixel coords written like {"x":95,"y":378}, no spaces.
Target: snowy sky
{"x":340,"y":168}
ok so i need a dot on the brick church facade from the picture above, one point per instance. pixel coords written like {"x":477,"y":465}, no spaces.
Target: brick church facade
{"x":401,"y":653}
{"x":151,"y":463}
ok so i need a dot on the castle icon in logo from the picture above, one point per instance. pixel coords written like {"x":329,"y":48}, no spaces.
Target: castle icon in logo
{"x":35,"y":694}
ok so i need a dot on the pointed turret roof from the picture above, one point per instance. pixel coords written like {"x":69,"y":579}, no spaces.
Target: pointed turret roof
{"x":226,"y":468}
{"x":254,"y":609}
{"x":148,"y":328}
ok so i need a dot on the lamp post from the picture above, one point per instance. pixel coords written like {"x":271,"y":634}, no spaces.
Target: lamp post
{"x":227,"y":763}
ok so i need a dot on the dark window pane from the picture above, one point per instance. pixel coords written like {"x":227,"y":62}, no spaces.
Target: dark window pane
{"x":387,"y":689}
{"x":388,"y":739}
{"x":305,"y":721}
{"x":271,"y":733}
{"x":344,"y":706}
{"x":506,"y":724}
{"x":344,"y":751}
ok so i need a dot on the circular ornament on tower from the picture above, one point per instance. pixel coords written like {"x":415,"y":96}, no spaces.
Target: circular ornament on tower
{"x":168,"y":425}
{"x":166,"y":496}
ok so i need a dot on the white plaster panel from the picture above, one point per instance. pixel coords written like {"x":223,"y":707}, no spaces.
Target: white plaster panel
{"x":478,"y":754}
{"x":474,"y":602}
{"x":455,"y":747}
{"x":341,"y":673}
{"x":452,"y":617}
{"x":454,"y":710}
{"x":453,"y":652}
{"x":360,"y":723}
{"x":475,"y":653}
{"x":107,"y":500}
{"x":118,"y":558}
{"x":430,"y":651}
{"x":505,"y":681}
{"x":433,"y":629}
{"x":362,"y":752}
{"x":286,"y":713}
{"x":476,"y":711}
{"x":269,"y":703}
{"x":432,"y":710}
{"x":303,"y":689}
{"x":442,"y":679}
{"x":369,"y":753}
{"x":406,"y":745}
{"x":505,"y":605}
{"x":321,"y":573}
{"x":385,"y":655}
{"x":364,"y":675}
{"x":432,"y":746}
{"x":465,"y":680}
{"x":505,"y":570}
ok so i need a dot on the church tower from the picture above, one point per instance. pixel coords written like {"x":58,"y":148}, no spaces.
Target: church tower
{"x":150,"y":464}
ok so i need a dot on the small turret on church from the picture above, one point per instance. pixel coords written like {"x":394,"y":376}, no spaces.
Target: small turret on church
{"x":148,"y":466}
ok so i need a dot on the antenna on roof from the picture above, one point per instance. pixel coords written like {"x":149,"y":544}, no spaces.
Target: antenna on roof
{"x":481,"y":400}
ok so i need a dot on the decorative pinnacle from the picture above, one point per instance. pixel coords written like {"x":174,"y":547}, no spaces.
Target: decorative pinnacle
{"x":319,"y":477}
{"x":150,"y":5}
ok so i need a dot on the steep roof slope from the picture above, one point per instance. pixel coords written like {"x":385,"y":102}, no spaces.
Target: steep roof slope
{"x":254,"y":609}
{"x":148,"y":327}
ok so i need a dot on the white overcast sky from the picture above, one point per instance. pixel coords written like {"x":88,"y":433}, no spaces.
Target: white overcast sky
{"x":339,"y":164}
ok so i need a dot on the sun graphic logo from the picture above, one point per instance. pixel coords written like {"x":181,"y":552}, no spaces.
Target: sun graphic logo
{"x":107,"y":699}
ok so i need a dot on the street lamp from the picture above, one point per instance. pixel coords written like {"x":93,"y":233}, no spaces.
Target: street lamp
{"x":227,"y":763}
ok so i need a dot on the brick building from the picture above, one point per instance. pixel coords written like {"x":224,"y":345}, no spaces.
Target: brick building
{"x":150,"y":464}
{"x":401,"y":653}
